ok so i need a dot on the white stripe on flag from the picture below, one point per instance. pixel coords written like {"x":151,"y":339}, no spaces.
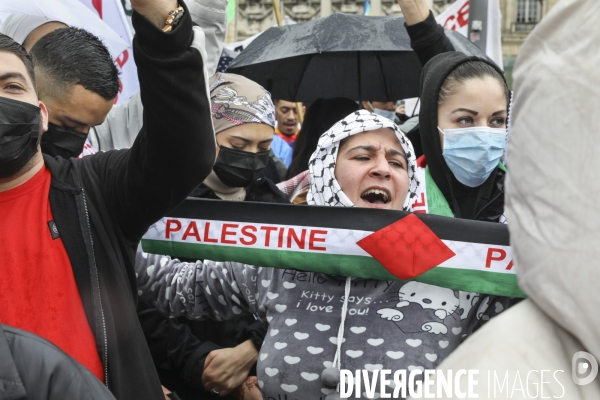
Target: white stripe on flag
{"x":261,"y":236}
{"x":481,"y":257}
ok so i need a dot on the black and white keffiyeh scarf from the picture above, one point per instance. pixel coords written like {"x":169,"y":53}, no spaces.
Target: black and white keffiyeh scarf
{"x":324,"y":189}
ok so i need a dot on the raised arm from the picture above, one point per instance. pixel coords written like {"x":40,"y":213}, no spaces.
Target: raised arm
{"x":427,"y":37}
{"x":175,"y":149}
{"x":124,"y":121}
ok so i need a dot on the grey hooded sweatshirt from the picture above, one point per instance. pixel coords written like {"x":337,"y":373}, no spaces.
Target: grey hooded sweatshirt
{"x":388,"y":324}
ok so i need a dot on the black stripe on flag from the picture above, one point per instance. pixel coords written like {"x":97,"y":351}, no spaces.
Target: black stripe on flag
{"x":366,"y":219}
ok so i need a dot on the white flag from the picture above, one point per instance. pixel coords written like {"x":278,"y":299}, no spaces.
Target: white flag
{"x":456,"y":17}
{"x":493,"y":46}
{"x":76,"y":14}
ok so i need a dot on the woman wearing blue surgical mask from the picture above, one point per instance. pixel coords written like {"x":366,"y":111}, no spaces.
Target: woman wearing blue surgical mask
{"x":463,"y":118}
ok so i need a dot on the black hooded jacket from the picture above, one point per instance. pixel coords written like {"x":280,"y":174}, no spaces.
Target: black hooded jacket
{"x":104,"y":203}
{"x":485,"y":202}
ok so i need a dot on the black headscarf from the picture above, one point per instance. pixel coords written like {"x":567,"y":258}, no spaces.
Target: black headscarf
{"x":464,"y":201}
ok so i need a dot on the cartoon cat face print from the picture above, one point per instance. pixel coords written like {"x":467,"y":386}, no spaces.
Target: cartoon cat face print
{"x":442,"y":300}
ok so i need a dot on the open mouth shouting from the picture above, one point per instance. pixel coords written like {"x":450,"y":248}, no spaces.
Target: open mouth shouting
{"x":376,"y":197}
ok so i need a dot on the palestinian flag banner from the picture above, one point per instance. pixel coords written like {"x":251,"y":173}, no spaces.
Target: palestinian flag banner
{"x":453,"y":253}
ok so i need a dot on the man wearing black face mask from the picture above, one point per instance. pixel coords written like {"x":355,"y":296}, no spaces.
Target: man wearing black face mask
{"x":78,"y":81}
{"x":69,"y":228}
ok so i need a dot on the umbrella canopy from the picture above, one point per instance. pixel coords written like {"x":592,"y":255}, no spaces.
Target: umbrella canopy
{"x":465,"y":46}
{"x":343,"y":55}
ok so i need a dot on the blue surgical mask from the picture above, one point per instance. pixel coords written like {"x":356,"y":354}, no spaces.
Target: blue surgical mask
{"x":391,"y":115}
{"x":473,"y":153}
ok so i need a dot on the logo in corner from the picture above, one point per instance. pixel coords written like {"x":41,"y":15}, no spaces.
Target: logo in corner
{"x":583,"y":363}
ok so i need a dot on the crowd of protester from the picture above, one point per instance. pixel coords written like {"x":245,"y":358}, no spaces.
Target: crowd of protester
{"x":86,"y":313}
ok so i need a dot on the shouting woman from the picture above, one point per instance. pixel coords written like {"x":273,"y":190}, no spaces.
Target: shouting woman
{"x":329,"y":322}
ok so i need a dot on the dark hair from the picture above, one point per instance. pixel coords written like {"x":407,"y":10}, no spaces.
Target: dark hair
{"x":72,"y":56}
{"x":275,"y":101}
{"x":321,"y":116}
{"x":466,"y":71}
{"x":8,"y":45}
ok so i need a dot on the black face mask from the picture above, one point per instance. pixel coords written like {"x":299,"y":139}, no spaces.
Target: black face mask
{"x":62,"y":141}
{"x":19,"y":133}
{"x":237,"y":168}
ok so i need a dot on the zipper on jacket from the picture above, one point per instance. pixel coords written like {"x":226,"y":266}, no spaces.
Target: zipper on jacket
{"x":87,"y":218}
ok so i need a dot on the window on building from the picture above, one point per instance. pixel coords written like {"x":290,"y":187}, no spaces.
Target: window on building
{"x":528,"y":11}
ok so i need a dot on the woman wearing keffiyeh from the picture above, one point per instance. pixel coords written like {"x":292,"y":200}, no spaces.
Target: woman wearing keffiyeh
{"x":377,"y":168}
{"x":318,"y":323}
{"x":391,"y":188}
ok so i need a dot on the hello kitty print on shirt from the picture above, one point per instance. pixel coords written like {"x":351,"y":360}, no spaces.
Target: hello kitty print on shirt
{"x":432,"y":304}
{"x":388,"y":325}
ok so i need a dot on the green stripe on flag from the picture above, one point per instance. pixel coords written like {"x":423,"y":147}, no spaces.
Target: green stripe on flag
{"x":469,"y":280}
{"x":332,"y":264}
{"x":487,"y":282}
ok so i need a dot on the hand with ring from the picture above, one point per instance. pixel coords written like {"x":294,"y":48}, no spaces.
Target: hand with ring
{"x":215,"y":391}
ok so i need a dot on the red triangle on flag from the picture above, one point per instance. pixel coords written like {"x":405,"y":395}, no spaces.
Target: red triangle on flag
{"x":407,"y":248}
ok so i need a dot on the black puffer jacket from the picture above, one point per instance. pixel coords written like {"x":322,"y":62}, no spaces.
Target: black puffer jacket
{"x":31,"y":368}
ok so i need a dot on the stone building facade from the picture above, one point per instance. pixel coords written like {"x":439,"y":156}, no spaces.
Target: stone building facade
{"x":519,"y":17}
{"x":254,"y":16}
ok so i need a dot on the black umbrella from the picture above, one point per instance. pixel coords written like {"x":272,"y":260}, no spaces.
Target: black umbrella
{"x":343,"y":55}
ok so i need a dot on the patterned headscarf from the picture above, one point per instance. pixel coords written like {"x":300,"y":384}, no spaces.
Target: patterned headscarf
{"x":325,"y":190}
{"x":236,"y":100}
